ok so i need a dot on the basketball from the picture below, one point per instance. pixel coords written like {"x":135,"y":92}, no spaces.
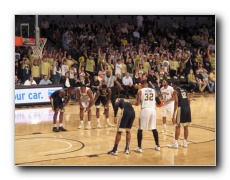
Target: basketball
{"x":159,"y":105}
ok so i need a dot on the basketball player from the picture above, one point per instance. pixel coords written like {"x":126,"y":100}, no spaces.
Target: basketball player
{"x":125,"y":123}
{"x":166,"y":93}
{"x":59,"y":106}
{"x":147,"y":97}
{"x":102,"y":97}
{"x":181,"y":114}
{"x":85,"y":96}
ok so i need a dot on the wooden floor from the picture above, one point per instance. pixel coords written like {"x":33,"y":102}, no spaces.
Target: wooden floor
{"x":36,"y":144}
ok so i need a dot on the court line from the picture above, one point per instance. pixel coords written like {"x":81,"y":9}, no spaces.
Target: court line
{"x":97,"y":154}
{"x":70,"y":145}
{"x":192,"y":125}
{"x":83,"y":145}
{"x":113,"y":130}
{"x":63,"y":132}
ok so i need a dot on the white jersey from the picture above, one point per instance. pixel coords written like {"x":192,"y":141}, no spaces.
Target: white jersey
{"x":118,"y":68}
{"x":167,"y":93}
{"x":147,"y":98}
{"x":84,"y":96}
{"x":64,"y":69}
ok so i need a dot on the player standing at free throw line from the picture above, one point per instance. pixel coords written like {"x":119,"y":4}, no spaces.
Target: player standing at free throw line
{"x":147,"y":97}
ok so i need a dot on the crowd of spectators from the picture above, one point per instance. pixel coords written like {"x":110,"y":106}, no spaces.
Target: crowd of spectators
{"x":131,"y":51}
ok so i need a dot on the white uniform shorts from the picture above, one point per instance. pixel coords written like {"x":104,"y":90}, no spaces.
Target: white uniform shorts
{"x":147,"y":117}
{"x":168,"y":109}
{"x":85,"y":104}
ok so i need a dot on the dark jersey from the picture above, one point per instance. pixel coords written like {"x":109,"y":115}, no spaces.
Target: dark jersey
{"x":207,"y":66}
{"x":153,"y":66}
{"x":57,"y":101}
{"x":94,"y":83}
{"x":123,"y":104}
{"x":55,"y":95}
{"x":182,"y":97}
{"x":194,"y":65}
{"x":104,"y":95}
{"x":103,"y":98}
{"x":129,"y":66}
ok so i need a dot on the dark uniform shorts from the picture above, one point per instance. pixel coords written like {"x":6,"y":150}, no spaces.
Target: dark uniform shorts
{"x":56,"y":103}
{"x":99,"y":101}
{"x":126,"y":121}
{"x":183,"y":116}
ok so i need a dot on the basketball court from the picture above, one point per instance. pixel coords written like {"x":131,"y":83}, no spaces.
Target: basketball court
{"x":36,"y":144}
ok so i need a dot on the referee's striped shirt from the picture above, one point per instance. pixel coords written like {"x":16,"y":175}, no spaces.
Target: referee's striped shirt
{"x":109,"y":81}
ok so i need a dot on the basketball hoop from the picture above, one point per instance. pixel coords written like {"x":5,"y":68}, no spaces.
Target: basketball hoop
{"x":37,"y":50}
{"x":30,"y":42}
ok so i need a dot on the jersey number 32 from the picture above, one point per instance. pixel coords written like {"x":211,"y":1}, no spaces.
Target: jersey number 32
{"x":148,"y":96}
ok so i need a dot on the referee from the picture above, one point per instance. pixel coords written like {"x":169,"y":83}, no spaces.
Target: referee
{"x":109,"y":80}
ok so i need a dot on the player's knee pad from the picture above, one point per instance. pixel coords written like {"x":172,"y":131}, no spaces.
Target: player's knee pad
{"x":62,"y":110}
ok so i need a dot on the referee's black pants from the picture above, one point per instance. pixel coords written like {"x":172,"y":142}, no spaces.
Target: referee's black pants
{"x":113,"y":96}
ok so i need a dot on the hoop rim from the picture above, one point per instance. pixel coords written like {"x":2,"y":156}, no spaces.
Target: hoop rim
{"x":27,"y":42}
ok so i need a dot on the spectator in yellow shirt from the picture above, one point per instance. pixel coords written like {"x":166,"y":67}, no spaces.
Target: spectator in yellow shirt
{"x":45,"y":67}
{"x":212,"y":77}
{"x":90,"y":65}
{"x":192,"y":81}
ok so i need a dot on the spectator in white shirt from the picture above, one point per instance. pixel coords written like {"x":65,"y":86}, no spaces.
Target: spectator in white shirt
{"x":56,"y":73}
{"x":67,"y":82}
{"x":118,"y":67}
{"x":64,"y":69}
{"x":30,"y":81}
{"x":140,"y":21}
{"x":127,"y":84}
{"x":136,"y":34}
{"x":45,"y":81}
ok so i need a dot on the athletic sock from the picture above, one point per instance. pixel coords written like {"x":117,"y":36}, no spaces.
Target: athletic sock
{"x":139,"y":137}
{"x":127,"y":146}
{"x":60,"y":125}
{"x":164,"y":125}
{"x":98,"y":120}
{"x":155,"y":135}
{"x":115,"y":147}
{"x":107,"y":120}
{"x":89,"y":122}
{"x":55,"y":125}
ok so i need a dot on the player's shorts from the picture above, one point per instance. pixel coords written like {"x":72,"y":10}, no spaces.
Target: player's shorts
{"x":100,"y":101}
{"x":168,"y":109}
{"x":58,"y":103}
{"x":126,"y":120}
{"x":147,"y":117}
{"x":85,"y":104}
{"x":183,"y":116}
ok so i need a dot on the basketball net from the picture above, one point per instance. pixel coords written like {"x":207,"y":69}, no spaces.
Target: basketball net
{"x":37,"y":50}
